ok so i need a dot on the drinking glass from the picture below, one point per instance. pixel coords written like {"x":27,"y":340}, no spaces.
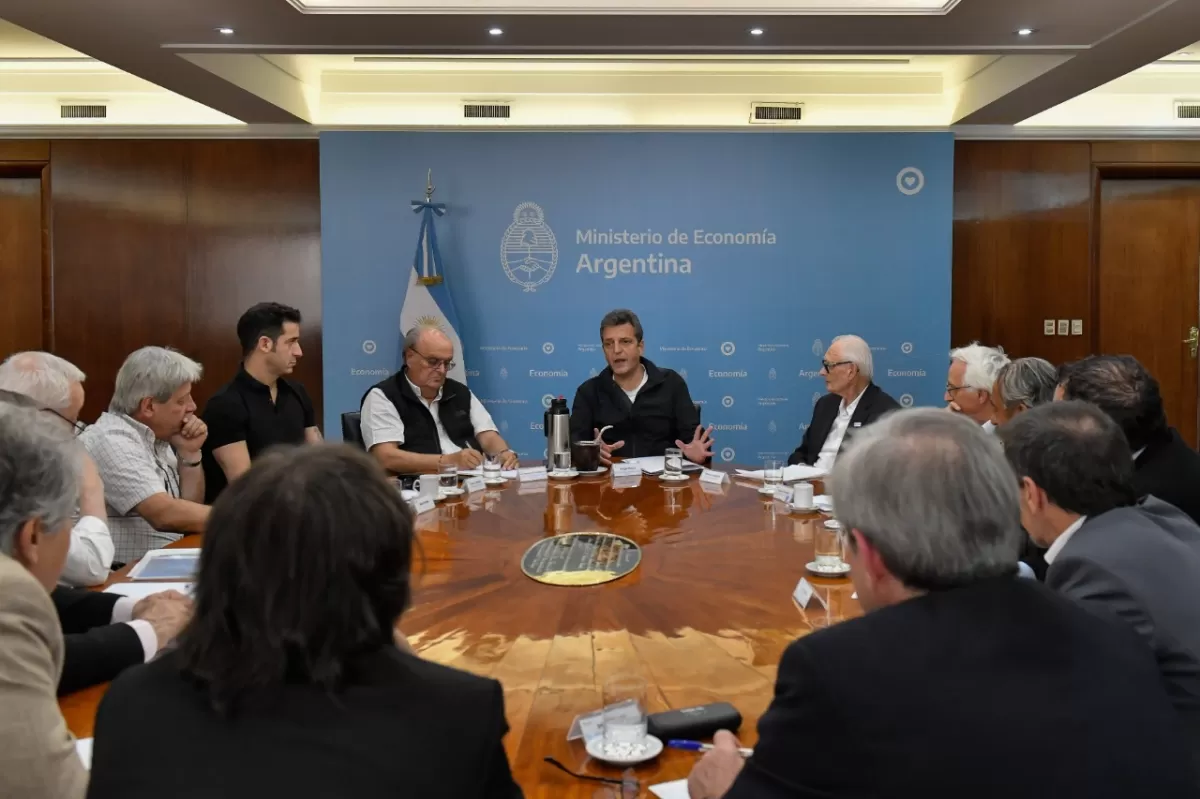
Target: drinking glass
{"x":673,"y":464}
{"x":491,"y":468}
{"x":448,"y":476}
{"x":772,"y":475}
{"x":827,"y":545}
{"x":624,"y":711}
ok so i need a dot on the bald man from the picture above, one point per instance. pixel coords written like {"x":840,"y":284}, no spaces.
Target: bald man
{"x":419,"y":418}
{"x":853,"y":401}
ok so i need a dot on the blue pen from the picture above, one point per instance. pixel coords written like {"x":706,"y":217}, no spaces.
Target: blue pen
{"x":696,"y":746}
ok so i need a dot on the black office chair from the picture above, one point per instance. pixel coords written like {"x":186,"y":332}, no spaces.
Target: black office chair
{"x":352,"y":430}
{"x":699,"y":408}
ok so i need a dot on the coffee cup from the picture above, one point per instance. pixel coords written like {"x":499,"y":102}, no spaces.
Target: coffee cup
{"x":802,"y":496}
{"x":586,"y":455}
{"x":428,"y":485}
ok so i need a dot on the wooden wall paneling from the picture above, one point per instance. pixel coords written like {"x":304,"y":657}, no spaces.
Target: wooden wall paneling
{"x":28,"y":150}
{"x":254,"y":224}
{"x":22,"y":261}
{"x":1021,"y":245}
{"x":120,"y":256}
{"x":1146,"y":152}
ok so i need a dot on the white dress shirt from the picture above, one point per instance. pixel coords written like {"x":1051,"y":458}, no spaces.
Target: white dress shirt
{"x":633,"y":394}
{"x":90,"y":555}
{"x":122,"y":613}
{"x":381,"y":421}
{"x":1062,"y":540}
{"x":833,"y":441}
{"x":988,"y":427}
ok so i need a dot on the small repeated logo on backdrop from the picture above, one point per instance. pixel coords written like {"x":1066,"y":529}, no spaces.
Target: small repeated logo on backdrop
{"x":906,"y":348}
{"x":728,"y":454}
{"x":592,"y":372}
{"x":728,"y":348}
{"x":906,"y":400}
{"x":910,"y":180}
{"x":369,"y":347}
{"x":504,"y":425}
{"x":683,"y":373}
{"x":816,"y":397}
{"x":529,"y":251}
{"x":772,"y":427}
{"x":727,"y":401}
{"x":546,"y":400}
{"x":548,"y":348}
{"x":771,"y":375}
{"x":818,"y":349}
{"x":503,"y":373}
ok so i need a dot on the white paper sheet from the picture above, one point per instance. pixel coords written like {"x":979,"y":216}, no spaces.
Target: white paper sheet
{"x":166,"y":564}
{"x":823,"y":502}
{"x":655,"y":464}
{"x":507,"y":474}
{"x":83,"y":747}
{"x":671,"y":790}
{"x":141,"y":590}
{"x":791,"y":474}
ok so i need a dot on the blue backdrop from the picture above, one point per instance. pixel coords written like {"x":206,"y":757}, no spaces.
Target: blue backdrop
{"x":743,"y":254}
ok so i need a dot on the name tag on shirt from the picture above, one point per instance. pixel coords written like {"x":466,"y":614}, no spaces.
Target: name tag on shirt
{"x":531,"y":473}
{"x":626,"y":470}
{"x":421,"y":504}
{"x":473,"y":484}
{"x":713,"y":476}
{"x":857,"y":424}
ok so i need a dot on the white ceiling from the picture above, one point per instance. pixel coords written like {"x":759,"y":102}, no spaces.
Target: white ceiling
{"x":507,"y":7}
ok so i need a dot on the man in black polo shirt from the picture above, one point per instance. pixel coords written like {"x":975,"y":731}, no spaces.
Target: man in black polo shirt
{"x":649,"y":408}
{"x":258,"y":408}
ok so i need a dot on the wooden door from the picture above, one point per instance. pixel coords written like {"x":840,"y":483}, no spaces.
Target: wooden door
{"x":21,"y":325}
{"x":1149,"y":284}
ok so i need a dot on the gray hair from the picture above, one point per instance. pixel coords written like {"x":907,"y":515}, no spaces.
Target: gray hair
{"x":983,"y":364}
{"x":413,"y":336}
{"x":154,"y":372}
{"x":858,"y":352}
{"x":933,"y":493}
{"x":622,"y":316}
{"x":1028,"y":382}
{"x":44,"y":378}
{"x":39,"y":472}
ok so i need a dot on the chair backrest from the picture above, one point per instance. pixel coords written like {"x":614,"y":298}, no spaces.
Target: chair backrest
{"x":352,"y":429}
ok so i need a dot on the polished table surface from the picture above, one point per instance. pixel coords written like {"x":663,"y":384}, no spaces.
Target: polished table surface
{"x":704,"y":618}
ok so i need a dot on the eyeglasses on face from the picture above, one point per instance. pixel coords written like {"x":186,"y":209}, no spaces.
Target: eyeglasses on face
{"x":951,"y":388}
{"x":436,"y":363}
{"x":829,"y":366}
{"x":77,"y":426}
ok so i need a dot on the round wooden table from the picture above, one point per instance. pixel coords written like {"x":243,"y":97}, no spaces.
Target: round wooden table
{"x":704,"y":618}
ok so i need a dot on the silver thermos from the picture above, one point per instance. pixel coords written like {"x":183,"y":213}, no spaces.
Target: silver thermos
{"x":557,"y":422}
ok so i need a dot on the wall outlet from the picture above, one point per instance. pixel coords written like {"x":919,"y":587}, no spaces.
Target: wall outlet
{"x":1048,"y":327}
{"x":1064,"y":327}
{"x":1076,"y":327}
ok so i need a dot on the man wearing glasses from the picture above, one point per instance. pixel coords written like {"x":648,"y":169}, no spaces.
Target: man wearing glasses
{"x":55,"y":386}
{"x":419,"y":418}
{"x":973,"y":372}
{"x":853,"y":402}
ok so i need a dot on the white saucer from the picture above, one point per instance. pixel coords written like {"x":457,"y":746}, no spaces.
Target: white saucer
{"x":593,"y":472}
{"x":673,"y":479}
{"x":824,"y":571}
{"x":799,"y":509}
{"x":499,"y":482}
{"x":451,"y":492}
{"x":654,"y":747}
{"x":567,"y":475}
{"x":768,"y":490}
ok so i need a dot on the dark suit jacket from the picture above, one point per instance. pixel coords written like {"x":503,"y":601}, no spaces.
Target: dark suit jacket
{"x":1170,"y":470}
{"x":1142,"y":564}
{"x":996,"y":690}
{"x":405,"y":727}
{"x":662,"y":414}
{"x":96,"y":649}
{"x":873,"y":404}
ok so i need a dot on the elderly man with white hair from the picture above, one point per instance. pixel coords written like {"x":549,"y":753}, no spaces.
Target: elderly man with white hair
{"x":56,"y":386}
{"x":147,"y":447}
{"x":853,"y":401}
{"x":973,"y":372}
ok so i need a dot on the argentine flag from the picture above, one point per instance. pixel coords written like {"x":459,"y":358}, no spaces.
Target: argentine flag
{"x":427,"y":299}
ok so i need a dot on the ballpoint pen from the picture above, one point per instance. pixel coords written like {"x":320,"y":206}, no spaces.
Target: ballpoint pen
{"x":696,"y":746}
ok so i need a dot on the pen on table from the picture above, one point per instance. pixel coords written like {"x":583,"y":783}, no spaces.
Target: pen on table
{"x":696,"y":746}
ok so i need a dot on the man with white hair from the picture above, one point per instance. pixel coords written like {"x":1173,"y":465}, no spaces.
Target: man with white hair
{"x":973,"y":372}
{"x":147,"y":447}
{"x":56,"y":386}
{"x":853,"y":401}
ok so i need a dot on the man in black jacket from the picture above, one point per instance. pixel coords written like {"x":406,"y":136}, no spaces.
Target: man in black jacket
{"x":648,"y":408}
{"x":961,"y":680}
{"x":1165,"y":466}
{"x":853,"y":402}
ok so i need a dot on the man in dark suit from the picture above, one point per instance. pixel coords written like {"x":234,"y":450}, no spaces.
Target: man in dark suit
{"x":1138,"y":560}
{"x":853,"y":402}
{"x":961,"y":681}
{"x":1165,"y":466}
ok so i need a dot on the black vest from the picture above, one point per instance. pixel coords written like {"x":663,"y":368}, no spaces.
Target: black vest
{"x":420,"y":431}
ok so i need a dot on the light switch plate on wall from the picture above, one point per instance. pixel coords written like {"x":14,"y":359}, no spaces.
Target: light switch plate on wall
{"x":1064,"y":327}
{"x":1076,"y":327}
{"x":1048,"y":327}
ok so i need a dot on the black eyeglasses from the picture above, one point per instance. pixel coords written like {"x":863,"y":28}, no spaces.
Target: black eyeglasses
{"x":77,"y":426}
{"x":435,"y":363}
{"x":951,"y":388}
{"x":829,"y":366}
{"x":628,"y":783}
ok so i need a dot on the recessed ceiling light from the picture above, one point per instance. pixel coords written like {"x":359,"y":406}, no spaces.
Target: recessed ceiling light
{"x":225,"y":31}
{"x":1025,"y":32}
{"x":756,"y":31}
{"x":496,"y":31}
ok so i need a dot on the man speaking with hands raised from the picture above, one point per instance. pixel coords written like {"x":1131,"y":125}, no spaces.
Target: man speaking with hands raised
{"x":420,"y":418}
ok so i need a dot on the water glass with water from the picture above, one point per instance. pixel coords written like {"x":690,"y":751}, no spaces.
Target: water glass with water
{"x":827,"y":546}
{"x":624,"y":711}
{"x":448,"y":476}
{"x":772,"y":474}
{"x":673,"y":464}
{"x":491,"y":468}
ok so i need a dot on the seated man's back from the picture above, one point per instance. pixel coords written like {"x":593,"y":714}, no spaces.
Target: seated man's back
{"x":997,"y":689}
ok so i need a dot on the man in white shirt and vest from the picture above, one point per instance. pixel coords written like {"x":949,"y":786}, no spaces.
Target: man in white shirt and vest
{"x":419,"y":418}
{"x":853,"y":402}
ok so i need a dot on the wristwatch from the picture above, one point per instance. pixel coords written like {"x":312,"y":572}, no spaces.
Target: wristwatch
{"x":196,"y":462}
